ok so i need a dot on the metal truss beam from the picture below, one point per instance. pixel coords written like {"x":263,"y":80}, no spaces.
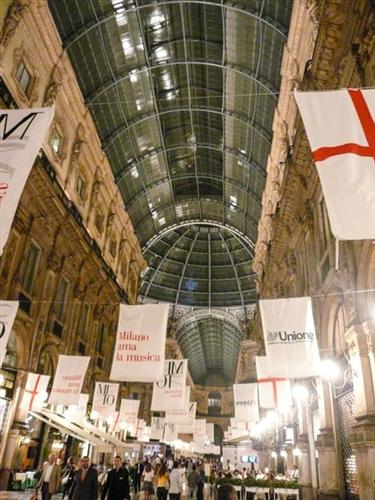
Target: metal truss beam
{"x":267,"y":86}
{"x":273,"y":24}
{"x":234,"y":153}
{"x":109,"y":140}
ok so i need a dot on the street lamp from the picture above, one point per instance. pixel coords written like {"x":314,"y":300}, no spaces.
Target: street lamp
{"x":329,"y":370}
{"x":300,"y":392}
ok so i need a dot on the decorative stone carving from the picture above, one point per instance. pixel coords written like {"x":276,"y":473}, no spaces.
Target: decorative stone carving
{"x":50,"y":93}
{"x":11,"y":22}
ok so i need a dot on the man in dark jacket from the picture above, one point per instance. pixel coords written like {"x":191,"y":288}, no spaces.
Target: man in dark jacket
{"x":138,"y":471}
{"x":117,"y":484}
{"x":85,"y":483}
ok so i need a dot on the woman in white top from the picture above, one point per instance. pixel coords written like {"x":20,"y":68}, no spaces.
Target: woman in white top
{"x":148,"y":479}
{"x":175,"y":483}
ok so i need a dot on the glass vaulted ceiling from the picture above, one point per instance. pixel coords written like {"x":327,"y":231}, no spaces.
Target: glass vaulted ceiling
{"x":183,"y":94}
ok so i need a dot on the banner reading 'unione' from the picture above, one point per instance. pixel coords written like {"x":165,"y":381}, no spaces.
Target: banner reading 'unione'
{"x":140,"y":343}
{"x":290,"y":338}
{"x":21,"y":135}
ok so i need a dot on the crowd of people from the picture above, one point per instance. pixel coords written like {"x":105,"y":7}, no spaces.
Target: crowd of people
{"x":150,"y":476}
{"x":82,"y":481}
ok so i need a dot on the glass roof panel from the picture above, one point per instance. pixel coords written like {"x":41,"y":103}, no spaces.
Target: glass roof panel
{"x":183,"y":96}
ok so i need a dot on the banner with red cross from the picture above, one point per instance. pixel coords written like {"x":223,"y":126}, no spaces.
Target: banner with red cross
{"x":35,"y":392}
{"x":274,"y":392}
{"x":341,"y":130}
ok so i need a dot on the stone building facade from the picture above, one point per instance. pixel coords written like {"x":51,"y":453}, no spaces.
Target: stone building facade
{"x":72,"y":255}
{"x":296,"y":256}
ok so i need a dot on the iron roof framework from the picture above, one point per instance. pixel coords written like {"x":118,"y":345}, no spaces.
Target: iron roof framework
{"x":210,"y":355}
{"x":183,"y":94}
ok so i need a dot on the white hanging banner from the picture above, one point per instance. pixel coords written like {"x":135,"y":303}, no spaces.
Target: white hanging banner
{"x":129,"y":410}
{"x":140,"y":343}
{"x":274,"y":392}
{"x":228,"y":434}
{"x":246,"y":406}
{"x":68,"y":381}
{"x":341,"y":131}
{"x":146,"y":435}
{"x":8,"y":312}
{"x":170,"y":433}
{"x":35,"y":392}
{"x":199,"y":435}
{"x":105,"y":398}
{"x":157,"y":428}
{"x":169,"y":391}
{"x":22,"y":132}
{"x":210,"y":432}
{"x":239,"y":428}
{"x":78,"y":412}
{"x":189,"y":427}
{"x":290,"y":338}
{"x":113,"y":422}
{"x":180,"y":416}
{"x":136,"y":430}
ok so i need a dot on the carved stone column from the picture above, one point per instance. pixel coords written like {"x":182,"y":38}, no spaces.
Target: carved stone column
{"x":329,"y":465}
{"x":304,"y":442}
{"x":361,"y":352}
{"x":12,"y":432}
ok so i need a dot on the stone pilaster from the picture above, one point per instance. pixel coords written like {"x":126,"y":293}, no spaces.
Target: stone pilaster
{"x":329,"y":466}
{"x":361,"y":352}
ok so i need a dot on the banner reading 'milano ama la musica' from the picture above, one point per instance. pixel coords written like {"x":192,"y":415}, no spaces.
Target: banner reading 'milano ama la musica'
{"x":140,"y":343}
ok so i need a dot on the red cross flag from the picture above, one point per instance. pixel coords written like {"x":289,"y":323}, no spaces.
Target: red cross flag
{"x":274,"y":392}
{"x":341,"y":131}
{"x":35,"y":393}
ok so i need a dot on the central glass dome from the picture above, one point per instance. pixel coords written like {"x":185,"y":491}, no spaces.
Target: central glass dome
{"x":200,"y":265}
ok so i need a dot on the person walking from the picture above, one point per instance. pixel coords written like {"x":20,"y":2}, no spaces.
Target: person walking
{"x":148,"y":478}
{"x":193,"y":480}
{"x":85,"y":482}
{"x":138,"y":471}
{"x":68,"y":476}
{"x":117,"y":483}
{"x":162,"y":482}
{"x":175,"y":482}
{"x":49,"y":481}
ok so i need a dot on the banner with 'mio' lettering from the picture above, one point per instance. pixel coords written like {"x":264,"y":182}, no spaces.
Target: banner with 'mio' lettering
{"x":169,"y":391}
{"x":21,"y":135}
{"x":105,"y":399}
{"x":140,"y":343}
{"x":290,"y":338}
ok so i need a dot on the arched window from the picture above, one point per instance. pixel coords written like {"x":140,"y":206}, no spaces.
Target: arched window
{"x":339,"y":328}
{"x":214,"y":403}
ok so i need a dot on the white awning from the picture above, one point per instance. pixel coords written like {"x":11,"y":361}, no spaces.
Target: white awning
{"x":62,"y":423}
{"x":118,"y":443}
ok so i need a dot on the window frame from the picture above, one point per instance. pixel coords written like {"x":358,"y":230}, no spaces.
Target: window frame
{"x":18,"y":74}
{"x":29,"y":289}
